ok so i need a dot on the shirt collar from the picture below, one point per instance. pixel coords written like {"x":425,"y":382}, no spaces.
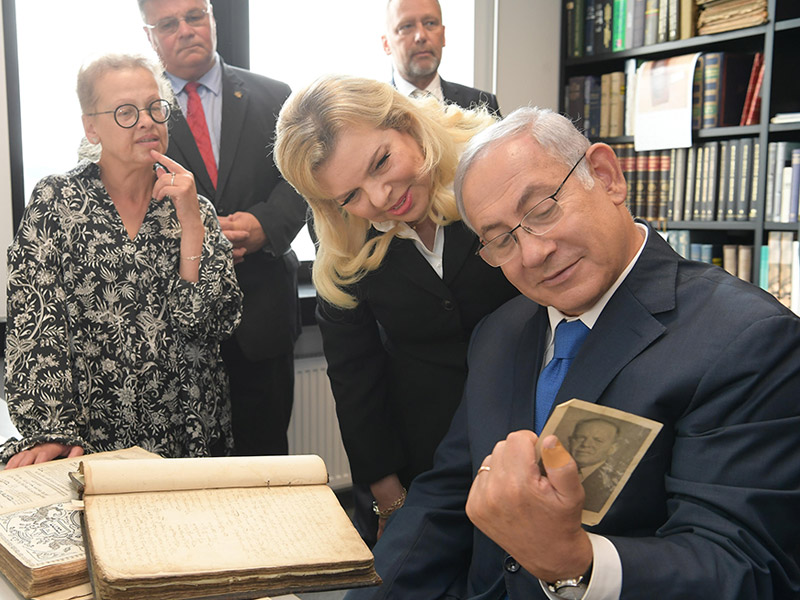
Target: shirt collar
{"x":212,"y":79}
{"x":405,"y":87}
{"x":590,"y":317}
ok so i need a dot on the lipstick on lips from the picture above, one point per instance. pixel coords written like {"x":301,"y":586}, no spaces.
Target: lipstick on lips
{"x":403,"y":205}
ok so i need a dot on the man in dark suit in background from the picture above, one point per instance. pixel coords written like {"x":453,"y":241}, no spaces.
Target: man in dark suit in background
{"x":414,"y":39}
{"x":223,"y":134}
{"x":711,"y":510}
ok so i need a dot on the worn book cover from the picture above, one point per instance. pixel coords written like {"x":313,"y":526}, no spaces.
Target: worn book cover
{"x":41,"y":548}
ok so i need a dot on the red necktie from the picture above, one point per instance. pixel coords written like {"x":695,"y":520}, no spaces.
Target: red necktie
{"x":196,"y":118}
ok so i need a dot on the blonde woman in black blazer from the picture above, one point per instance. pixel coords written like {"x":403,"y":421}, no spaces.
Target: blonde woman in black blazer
{"x":399,"y":281}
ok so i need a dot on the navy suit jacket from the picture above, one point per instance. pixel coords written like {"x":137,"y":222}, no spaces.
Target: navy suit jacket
{"x":710,"y":512}
{"x":248,"y":180}
{"x":468,"y":97}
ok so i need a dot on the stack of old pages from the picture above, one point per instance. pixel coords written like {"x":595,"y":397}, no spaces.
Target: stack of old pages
{"x":716,"y":16}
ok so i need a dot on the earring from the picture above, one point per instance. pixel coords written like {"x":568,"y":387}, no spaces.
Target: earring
{"x":93,"y":139}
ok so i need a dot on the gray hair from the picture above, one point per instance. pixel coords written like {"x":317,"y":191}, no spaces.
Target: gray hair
{"x":554,"y":133}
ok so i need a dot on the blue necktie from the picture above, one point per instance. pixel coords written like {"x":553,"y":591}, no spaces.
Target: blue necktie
{"x":568,"y":340}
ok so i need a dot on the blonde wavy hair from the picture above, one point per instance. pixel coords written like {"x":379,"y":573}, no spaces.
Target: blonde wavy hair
{"x":307,"y":132}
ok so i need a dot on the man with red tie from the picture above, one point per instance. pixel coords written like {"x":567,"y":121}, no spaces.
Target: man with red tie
{"x":223,"y":134}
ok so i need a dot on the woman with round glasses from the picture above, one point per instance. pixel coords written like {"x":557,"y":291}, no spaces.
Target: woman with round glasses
{"x":399,"y":281}
{"x":120,"y":288}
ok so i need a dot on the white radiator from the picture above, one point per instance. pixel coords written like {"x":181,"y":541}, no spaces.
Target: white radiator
{"x":314,"y":428}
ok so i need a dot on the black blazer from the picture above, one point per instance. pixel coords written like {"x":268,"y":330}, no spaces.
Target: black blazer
{"x":248,"y":180}
{"x":710,"y":512}
{"x":397,"y":362}
{"x":468,"y":97}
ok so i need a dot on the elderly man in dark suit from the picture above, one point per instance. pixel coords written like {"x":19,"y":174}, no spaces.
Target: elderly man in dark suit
{"x":414,"y":39}
{"x":223,"y":134}
{"x":609,"y":314}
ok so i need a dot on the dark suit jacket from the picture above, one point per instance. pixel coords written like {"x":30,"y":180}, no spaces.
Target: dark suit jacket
{"x":248,"y":180}
{"x":467,"y":97}
{"x":710,"y":512}
{"x":397,"y":362}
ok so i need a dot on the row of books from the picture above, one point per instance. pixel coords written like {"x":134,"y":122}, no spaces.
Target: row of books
{"x":712,"y":181}
{"x":779,"y":261}
{"x":726,"y":92}
{"x":783,"y":182}
{"x":727,"y":89}
{"x":780,"y":268}
{"x":737,"y":259}
{"x":599,"y":26}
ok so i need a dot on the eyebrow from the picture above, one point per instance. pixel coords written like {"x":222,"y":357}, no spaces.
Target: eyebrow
{"x":342,"y":197}
{"x":527,"y":193}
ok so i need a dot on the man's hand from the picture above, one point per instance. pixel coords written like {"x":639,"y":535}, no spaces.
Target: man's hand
{"x":244,"y":232}
{"x":535,"y":518}
{"x":43,"y":453}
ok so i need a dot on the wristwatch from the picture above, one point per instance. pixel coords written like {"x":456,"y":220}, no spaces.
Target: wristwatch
{"x":571,"y":589}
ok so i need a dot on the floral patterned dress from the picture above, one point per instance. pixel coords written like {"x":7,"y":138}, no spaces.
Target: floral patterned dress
{"x":107,"y":346}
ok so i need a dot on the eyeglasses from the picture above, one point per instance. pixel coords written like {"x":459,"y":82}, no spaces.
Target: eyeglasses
{"x":169,"y":25}
{"x":543,"y":217}
{"x":127,"y":115}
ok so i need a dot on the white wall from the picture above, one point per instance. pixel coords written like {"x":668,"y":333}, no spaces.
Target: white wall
{"x":6,"y":224}
{"x":517,"y":46}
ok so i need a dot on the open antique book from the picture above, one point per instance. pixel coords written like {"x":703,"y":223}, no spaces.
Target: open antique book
{"x":41,"y":549}
{"x":234,"y":527}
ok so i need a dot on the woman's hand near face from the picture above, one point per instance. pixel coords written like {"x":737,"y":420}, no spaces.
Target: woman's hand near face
{"x":43,"y":453}
{"x":179,"y":185}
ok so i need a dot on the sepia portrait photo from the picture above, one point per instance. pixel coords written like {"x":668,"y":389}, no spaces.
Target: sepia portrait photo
{"x":606,"y":444}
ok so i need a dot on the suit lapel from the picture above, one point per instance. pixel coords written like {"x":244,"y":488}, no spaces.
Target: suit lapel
{"x":459,"y":244}
{"x":235,"y":101}
{"x":627,"y":325}
{"x":450,"y":93}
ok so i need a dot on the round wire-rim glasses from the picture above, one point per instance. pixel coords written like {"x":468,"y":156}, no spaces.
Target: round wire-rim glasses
{"x":539,"y":220}
{"x":127,"y":115}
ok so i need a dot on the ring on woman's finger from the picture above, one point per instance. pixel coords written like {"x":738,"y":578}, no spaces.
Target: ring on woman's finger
{"x":484,"y":468}
{"x":173,"y":179}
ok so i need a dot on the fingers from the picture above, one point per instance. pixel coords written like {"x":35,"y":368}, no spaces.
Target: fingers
{"x":165,"y":160}
{"x":43,"y":453}
{"x":562,"y":472}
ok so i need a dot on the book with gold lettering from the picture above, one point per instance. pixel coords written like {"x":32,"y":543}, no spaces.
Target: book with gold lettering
{"x":41,"y":549}
{"x":232,"y":527}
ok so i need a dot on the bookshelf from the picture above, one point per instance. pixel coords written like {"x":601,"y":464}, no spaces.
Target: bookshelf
{"x":780,"y":93}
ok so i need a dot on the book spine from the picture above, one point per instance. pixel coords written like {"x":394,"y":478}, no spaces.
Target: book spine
{"x":691,"y":167}
{"x":678,"y":185}
{"x":618,"y":25}
{"x":794,"y":192}
{"x":774,"y":264}
{"x":786,"y":192}
{"x":673,"y":21}
{"x":697,"y":207}
{"x":598,"y":25}
{"x":763,"y":268}
{"x":744,"y":181}
{"x":616,"y":119}
{"x":671,"y":179}
{"x":688,"y":19}
{"x":593,"y":85}
{"x":575,"y":103}
{"x":663,"y":20}
{"x":769,"y":195}
{"x":630,"y":9}
{"x":665,"y":170}
{"x":588,"y":28}
{"x":751,"y":86}
{"x":733,"y":174}
{"x":780,"y":159}
{"x":697,"y":93}
{"x":653,"y":184}
{"x":640,"y":202}
{"x":744,"y":263}
{"x":608,"y":25}
{"x":638,"y":23}
{"x":650,"y":22}
{"x":787,"y":239}
{"x":754,"y":183}
{"x":578,"y":26}
{"x":628,"y":165}
{"x":711,"y":74}
{"x":724,"y":180}
{"x":704,"y":193}
{"x":711,"y":176}
{"x":730,"y":258}
{"x":754,"y":113}
{"x":605,"y":104}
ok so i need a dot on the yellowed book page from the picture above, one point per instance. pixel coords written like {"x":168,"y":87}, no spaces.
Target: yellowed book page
{"x":211,"y":531}
{"x":204,"y":473}
{"x":48,"y":483}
